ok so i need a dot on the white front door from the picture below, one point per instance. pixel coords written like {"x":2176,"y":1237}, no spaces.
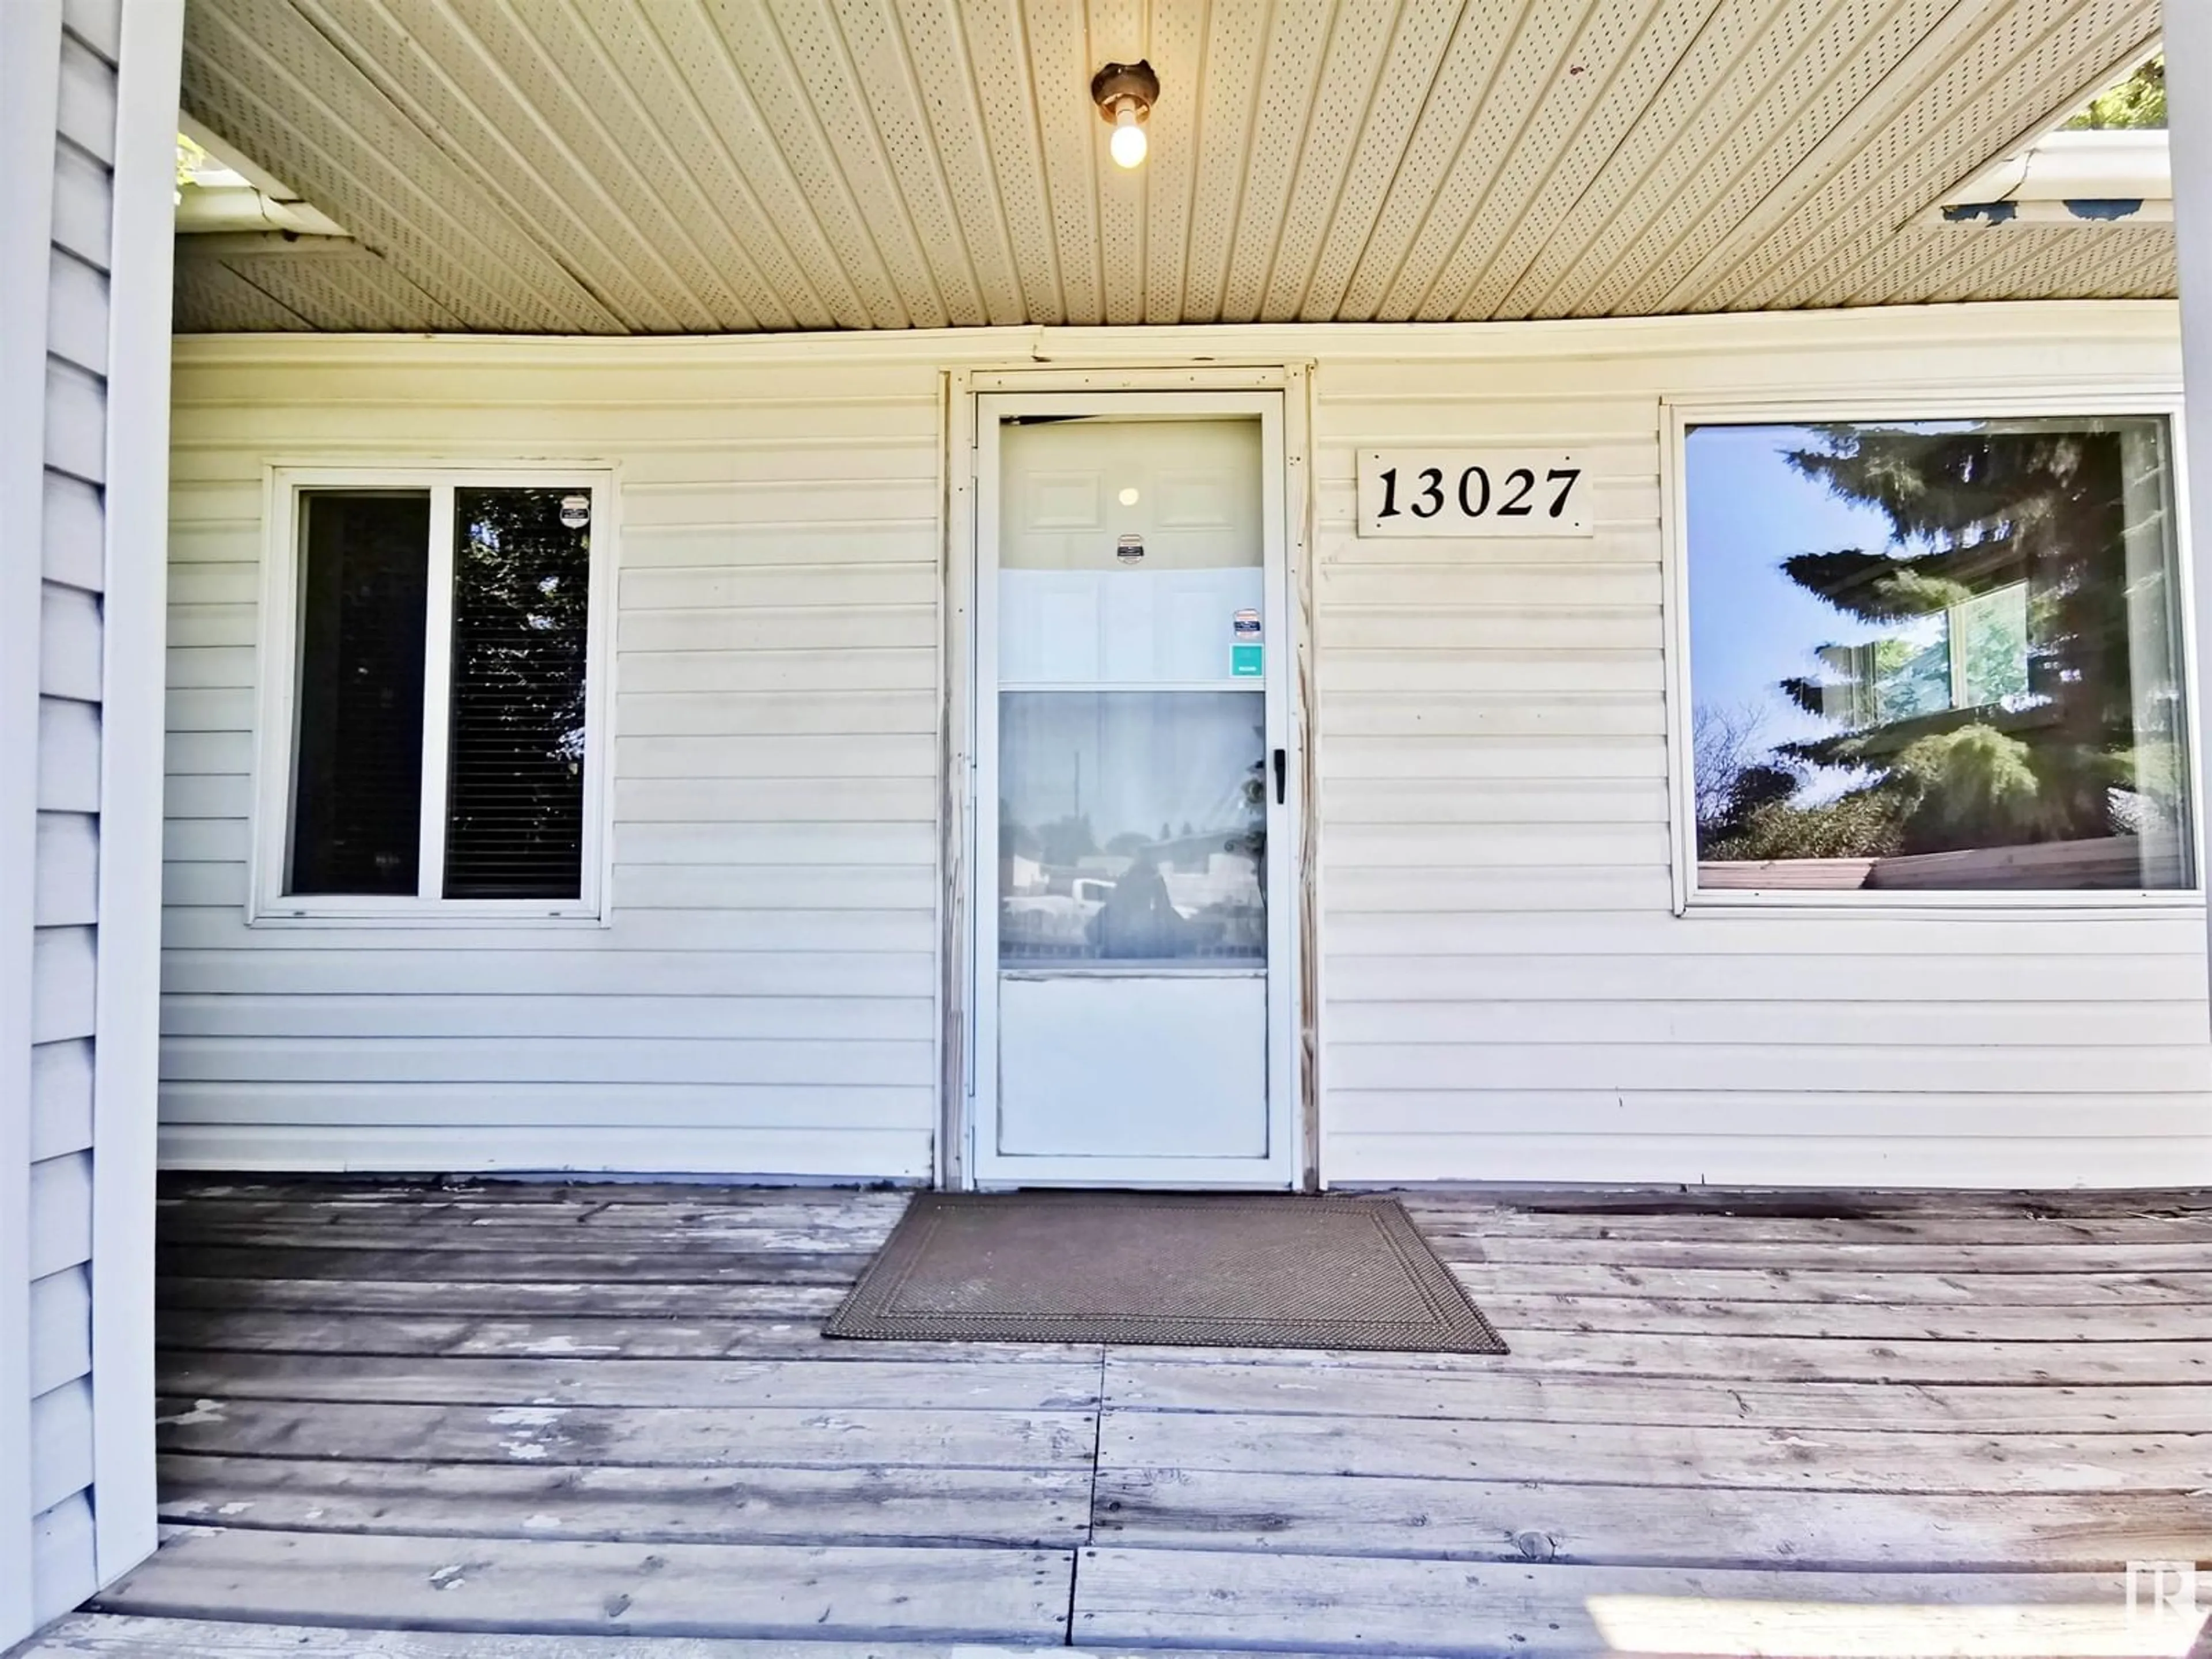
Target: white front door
{"x":1133,"y":884}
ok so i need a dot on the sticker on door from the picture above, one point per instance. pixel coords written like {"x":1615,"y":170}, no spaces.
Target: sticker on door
{"x":1245,"y":650}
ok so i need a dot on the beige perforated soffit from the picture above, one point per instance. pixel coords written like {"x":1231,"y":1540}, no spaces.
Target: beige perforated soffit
{"x":674,"y":167}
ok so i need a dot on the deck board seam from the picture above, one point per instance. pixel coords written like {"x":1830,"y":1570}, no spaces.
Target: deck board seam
{"x":1091,"y":1505}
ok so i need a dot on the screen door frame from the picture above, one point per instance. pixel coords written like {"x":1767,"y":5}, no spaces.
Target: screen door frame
{"x":983,"y":1165}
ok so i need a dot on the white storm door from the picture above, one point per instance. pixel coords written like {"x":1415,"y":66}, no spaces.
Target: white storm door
{"x":1133,"y":881}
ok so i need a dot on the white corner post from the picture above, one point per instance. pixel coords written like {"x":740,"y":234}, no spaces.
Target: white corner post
{"x":2189,"y":114}
{"x":126,"y":1058}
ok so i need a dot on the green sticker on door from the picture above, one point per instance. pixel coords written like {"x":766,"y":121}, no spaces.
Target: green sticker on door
{"x":1245,"y":650}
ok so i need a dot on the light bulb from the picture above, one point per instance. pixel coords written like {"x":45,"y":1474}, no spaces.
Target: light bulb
{"x":1129,"y":140}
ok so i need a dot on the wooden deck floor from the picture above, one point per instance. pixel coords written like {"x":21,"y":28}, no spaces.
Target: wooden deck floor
{"x":461,"y":1423}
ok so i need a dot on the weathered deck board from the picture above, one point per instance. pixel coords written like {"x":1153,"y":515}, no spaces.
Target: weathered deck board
{"x":399,"y":1336}
{"x":1798,"y":1231}
{"x":1529,"y":1198}
{"x":2170,"y":1321}
{"x":1444,"y":1608}
{"x":1185,"y":1507}
{"x":500,"y":1299}
{"x":1959,"y":1295}
{"x":408,"y":1193}
{"x":1548,"y":1351}
{"x":1381,"y":1390}
{"x":1918,"y":1256}
{"x":1824,"y":1286}
{"x":503,"y":1299}
{"x":123,"y":1636}
{"x":1658,"y":1455}
{"x":1812,"y":1358}
{"x":557,"y":1588}
{"x":674,"y":1235}
{"x":687,"y":1436}
{"x":1009,"y":1379}
{"x":580,"y":1263}
{"x":1968,"y":1206}
{"x":489,"y":1410}
{"x":1042,"y":1508}
{"x":603,"y":1204}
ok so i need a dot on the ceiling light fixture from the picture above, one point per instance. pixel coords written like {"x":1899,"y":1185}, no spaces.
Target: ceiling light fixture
{"x":1124,"y":93}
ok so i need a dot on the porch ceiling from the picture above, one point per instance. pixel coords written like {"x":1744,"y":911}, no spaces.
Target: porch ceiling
{"x":703,"y":166}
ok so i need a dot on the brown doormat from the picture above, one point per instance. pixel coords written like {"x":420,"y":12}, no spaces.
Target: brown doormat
{"x":1141,"y":1268}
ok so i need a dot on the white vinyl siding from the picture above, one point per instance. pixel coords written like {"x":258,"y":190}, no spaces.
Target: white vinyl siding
{"x":762,"y":997}
{"x":88,"y":106}
{"x":65,"y":946}
{"x":1505,"y":992}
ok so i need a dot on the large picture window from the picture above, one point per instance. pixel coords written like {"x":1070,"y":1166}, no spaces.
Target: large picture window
{"x":1936,"y":656}
{"x":443,"y":643}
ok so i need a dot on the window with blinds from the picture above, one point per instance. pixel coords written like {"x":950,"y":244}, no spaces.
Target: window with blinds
{"x":442,"y":742}
{"x":514,"y":755}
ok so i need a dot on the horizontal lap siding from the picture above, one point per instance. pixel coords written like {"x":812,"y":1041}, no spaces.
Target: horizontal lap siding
{"x":1507,"y":995}
{"x":1505,"y":992}
{"x":763,"y":999}
{"x":71,"y":553}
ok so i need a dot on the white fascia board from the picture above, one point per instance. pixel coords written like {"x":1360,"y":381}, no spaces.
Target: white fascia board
{"x":221,"y":150}
{"x":262,"y":201}
{"x":203,"y":209}
{"x":2070,"y":178}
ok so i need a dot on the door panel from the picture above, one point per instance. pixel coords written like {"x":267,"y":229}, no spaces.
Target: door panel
{"x":1120,"y":627}
{"x":1116,"y":1066}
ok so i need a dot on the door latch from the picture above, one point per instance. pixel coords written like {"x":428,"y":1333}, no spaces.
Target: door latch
{"x":1282,"y":774}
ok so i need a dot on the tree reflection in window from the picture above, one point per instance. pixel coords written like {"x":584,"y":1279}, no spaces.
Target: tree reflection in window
{"x":2011,"y":683}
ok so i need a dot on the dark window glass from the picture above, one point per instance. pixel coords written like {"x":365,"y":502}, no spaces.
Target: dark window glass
{"x":1941,"y":655}
{"x":357,"y":808}
{"x":515,"y":792}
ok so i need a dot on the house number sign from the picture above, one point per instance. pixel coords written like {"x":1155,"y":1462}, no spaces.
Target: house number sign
{"x":1473,"y":492}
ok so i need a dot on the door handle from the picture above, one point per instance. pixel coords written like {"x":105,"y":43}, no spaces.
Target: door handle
{"x":1282,"y":774}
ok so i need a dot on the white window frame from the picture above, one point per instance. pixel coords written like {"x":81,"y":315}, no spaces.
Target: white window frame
{"x":2159,"y":402}
{"x":284,"y":487}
